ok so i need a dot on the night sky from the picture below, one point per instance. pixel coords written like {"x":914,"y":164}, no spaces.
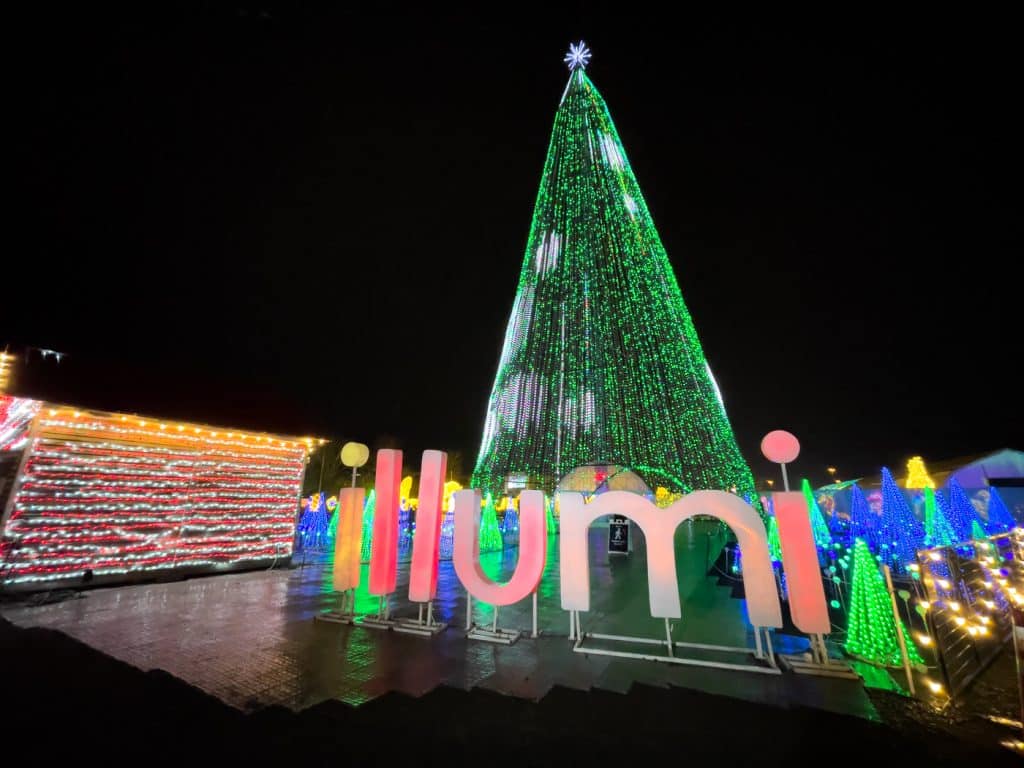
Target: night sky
{"x":313,"y":222}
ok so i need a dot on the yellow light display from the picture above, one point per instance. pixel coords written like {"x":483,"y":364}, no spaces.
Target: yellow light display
{"x":449,"y":488}
{"x":6,"y":363}
{"x":917,"y":474}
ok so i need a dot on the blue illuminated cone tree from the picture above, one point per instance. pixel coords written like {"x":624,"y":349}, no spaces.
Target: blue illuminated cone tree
{"x":999,"y":518}
{"x":938,"y":531}
{"x":601,"y":363}
{"x":871,"y":628}
{"x":902,"y":532}
{"x":314,"y":523}
{"x":962,"y":513}
{"x":864,"y":523}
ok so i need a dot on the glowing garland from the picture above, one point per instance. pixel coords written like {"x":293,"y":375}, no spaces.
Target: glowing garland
{"x":601,"y":362}
{"x":16,"y":416}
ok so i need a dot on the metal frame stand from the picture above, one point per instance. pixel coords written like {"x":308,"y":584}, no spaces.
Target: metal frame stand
{"x":820,"y":665}
{"x":577,"y":634}
{"x":383,"y":618}
{"x":346,"y":613}
{"x":495,"y":634}
{"x":419,"y":626}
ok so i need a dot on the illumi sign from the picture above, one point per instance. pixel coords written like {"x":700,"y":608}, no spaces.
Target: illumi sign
{"x":658,"y":525}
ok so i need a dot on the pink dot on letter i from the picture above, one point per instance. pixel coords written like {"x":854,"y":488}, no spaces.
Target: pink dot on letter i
{"x":780,"y":446}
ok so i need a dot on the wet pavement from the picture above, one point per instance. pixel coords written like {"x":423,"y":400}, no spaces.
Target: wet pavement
{"x":250,"y":639}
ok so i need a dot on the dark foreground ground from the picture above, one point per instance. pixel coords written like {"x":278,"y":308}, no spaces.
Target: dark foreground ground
{"x":64,"y":700}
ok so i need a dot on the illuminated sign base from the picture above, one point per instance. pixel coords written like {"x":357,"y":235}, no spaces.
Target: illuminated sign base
{"x":422,"y":627}
{"x":762,"y":652}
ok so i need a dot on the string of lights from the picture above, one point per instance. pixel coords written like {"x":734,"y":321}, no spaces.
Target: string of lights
{"x":601,"y":362}
{"x":107,"y":494}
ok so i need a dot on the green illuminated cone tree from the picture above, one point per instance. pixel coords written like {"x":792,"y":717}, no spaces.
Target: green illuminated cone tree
{"x":490,"y":533}
{"x":977,"y":532}
{"x":819,"y":527}
{"x":366,"y":542}
{"x":550,"y":508}
{"x":871,"y":629}
{"x":601,"y":363}
{"x":774,"y":545}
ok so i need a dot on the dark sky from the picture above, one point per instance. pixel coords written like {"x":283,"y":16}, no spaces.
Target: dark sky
{"x":313,"y":222}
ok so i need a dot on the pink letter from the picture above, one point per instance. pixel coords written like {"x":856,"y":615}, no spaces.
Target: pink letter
{"x":533,"y":543}
{"x":347,"y":538}
{"x":800,"y":558}
{"x":426,"y":544}
{"x":384,"y":557}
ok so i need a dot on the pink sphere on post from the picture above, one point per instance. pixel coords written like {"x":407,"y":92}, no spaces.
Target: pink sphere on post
{"x":780,"y":446}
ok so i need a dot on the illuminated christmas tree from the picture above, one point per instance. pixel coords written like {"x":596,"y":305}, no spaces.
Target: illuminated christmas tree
{"x":871,"y":628}
{"x":774,"y":545}
{"x":447,"y":544}
{"x":368,"y":509}
{"x":332,"y":527}
{"x":601,"y":363}
{"x":902,"y":531}
{"x":510,"y":521}
{"x":819,"y":527}
{"x":490,"y":533}
{"x":917,"y":475}
{"x":314,"y":522}
{"x":977,"y":532}
{"x":938,"y":531}
{"x":961,"y":512}
{"x":552,"y":521}
{"x":864,"y":523}
{"x":999,"y":517}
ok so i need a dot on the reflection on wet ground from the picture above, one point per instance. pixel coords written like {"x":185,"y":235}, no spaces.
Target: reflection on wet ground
{"x":250,"y":639}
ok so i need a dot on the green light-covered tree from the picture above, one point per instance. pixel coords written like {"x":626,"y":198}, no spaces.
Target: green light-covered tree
{"x":938,"y":531}
{"x":490,"y":532}
{"x":977,"y":532}
{"x":601,"y":363}
{"x":552,"y":521}
{"x":368,"y":509}
{"x":774,"y":545}
{"x":871,"y":628}
{"x":819,"y":527}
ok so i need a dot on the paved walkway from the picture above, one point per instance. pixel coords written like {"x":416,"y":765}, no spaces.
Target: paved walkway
{"x":250,"y":639}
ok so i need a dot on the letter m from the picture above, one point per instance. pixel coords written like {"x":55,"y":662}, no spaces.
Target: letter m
{"x":659,"y":526}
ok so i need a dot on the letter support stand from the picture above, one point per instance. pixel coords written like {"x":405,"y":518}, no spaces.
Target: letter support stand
{"x":577,"y":635}
{"x":495,"y":634}
{"x":820,"y":665}
{"x":346,"y":613}
{"x":383,"y":618}
{"x":419,"y":626}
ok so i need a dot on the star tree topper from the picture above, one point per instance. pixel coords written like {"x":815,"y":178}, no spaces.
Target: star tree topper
{"x":578,"y":55}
